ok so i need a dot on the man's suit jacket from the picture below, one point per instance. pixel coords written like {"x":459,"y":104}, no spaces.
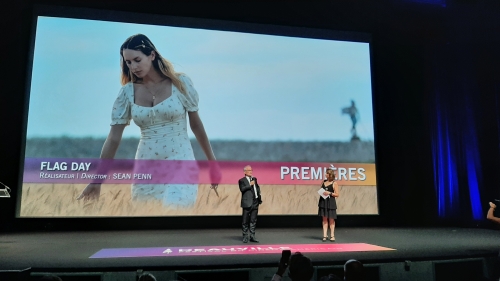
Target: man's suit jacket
{"x":248,"y":193}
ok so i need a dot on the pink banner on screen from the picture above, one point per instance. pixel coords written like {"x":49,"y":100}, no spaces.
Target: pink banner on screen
{"x":235,"y":250}
{"x":126,"y":171}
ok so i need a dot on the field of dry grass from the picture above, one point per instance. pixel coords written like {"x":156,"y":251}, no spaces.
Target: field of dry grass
{"x":58,"y":200}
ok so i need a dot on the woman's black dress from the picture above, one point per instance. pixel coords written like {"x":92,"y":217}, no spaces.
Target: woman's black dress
{"x":328,"y":206}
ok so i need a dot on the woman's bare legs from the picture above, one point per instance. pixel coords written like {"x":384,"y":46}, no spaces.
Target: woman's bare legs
{"x":325,"y":227}
{"x":332,"y":229}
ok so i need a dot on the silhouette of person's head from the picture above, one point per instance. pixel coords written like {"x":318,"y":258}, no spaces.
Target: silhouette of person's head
{"x":301,"y":268}
{"x":353,"y":271}
{"x":147,"y":277}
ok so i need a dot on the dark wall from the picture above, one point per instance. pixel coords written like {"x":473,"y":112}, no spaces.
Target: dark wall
{"x":407,"y":38}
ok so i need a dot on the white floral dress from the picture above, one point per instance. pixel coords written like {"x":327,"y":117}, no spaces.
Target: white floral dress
{"x":163,"y":137}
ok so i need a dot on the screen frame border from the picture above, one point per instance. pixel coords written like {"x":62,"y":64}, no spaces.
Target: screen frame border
{"x":198,"y":23}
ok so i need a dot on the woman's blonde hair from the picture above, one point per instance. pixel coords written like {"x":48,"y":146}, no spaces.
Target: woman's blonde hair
{"x":141,"y":42}
{"x":330,"y":172}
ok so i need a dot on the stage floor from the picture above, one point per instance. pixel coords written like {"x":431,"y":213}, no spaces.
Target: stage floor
{"x":59,"y":251}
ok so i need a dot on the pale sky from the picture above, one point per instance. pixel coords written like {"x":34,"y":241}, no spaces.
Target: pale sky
{"x":284,"y":88}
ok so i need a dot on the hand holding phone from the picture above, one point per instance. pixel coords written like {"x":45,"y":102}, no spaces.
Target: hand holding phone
{"x":285,"y":259}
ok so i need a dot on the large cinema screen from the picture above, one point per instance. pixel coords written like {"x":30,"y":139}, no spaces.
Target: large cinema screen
{"x":288,"y":106}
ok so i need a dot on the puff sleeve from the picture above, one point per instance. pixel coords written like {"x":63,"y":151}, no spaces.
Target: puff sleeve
{"x":190,"y":100}
{"x":121,"y":108}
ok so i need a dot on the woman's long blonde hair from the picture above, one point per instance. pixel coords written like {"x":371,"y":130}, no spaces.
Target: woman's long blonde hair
{"x":141,"y":42}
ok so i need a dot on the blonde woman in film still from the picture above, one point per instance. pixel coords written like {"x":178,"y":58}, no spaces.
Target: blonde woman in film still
{"x":158,"y":100}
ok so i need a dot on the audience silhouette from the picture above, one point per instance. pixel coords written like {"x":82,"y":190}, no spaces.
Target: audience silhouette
{"x":353,"y":271}
{"x":146,"y":276}
{"x":300,"y":269}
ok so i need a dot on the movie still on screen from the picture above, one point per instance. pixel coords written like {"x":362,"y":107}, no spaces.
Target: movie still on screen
{"x":154,"y":120}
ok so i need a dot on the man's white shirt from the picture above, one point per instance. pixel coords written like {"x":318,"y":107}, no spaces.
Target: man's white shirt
{"x":254,"y":188}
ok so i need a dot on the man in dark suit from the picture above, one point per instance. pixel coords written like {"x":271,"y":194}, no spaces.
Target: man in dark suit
{"x":250,"y":201}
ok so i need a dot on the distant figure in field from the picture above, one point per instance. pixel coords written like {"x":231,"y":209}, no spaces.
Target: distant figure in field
{"x":353,"y":112}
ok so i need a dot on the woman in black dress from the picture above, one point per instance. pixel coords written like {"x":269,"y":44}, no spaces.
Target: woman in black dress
{"x":328,"y":206}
